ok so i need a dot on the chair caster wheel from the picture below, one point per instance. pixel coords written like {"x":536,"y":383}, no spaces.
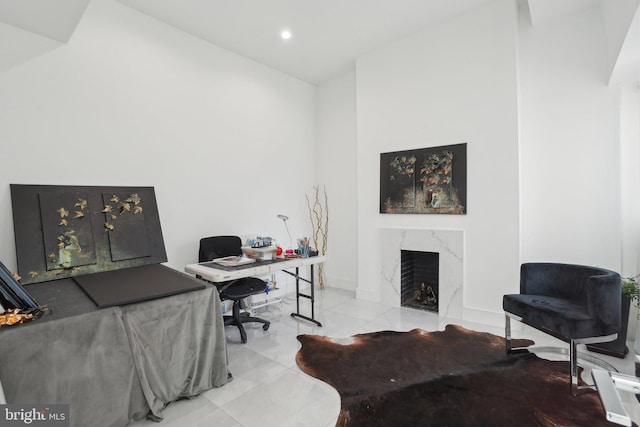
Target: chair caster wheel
{"x":265,"y":327}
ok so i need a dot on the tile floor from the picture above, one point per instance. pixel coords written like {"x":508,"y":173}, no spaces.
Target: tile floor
{"x":268,"y":389}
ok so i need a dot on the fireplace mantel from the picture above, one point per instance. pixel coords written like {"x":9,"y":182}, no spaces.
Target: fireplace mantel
{"x":448,"y":243}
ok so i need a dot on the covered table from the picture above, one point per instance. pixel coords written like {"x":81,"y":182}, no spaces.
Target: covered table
{"x":115,"y":364}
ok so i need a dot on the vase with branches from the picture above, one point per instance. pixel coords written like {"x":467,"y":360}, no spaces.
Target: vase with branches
{"x":319,"y":217}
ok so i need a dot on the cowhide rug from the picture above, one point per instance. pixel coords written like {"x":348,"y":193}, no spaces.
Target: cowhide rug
{"x":456,"y":377}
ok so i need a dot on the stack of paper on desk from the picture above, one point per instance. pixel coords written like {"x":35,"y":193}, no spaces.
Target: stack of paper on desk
{"x":231,"y":261}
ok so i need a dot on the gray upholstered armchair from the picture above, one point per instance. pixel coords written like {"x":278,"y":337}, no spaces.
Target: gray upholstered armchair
{"x":578,"y":304}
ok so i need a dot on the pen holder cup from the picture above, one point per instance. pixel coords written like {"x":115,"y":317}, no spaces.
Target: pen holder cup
{"x":303,"y":250}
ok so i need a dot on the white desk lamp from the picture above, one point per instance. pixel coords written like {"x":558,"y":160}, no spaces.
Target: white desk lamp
{"x":284,"y":219}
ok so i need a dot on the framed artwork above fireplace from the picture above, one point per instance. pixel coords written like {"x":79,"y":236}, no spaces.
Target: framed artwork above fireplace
{"x":424,"y":181}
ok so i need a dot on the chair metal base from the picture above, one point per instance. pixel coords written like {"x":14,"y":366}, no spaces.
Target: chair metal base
{"x":237,"y":319}
{"x":576,"y":388}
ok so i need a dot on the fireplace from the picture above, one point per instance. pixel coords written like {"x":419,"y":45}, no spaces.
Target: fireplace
{"x":448,"y":244}
{"x":419,"y":280}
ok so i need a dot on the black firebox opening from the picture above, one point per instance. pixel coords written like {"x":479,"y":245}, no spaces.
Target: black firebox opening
{"x":419,"y":280}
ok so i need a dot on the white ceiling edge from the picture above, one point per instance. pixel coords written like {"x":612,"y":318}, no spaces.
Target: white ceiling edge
{"x":627,"y":65}
{"x":543,"y":11}
{"x":24,"y":46}
{"x":621,"y":22}
{"x":55,"y":19}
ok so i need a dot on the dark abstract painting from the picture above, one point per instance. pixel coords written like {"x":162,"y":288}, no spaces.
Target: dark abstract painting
{"x":424,"y":181}
{"x":68,"y":231}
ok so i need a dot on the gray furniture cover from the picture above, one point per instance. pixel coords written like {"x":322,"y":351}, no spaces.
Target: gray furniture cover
{"x":115,"y":364}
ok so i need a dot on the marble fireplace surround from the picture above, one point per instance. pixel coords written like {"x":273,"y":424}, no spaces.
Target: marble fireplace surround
{"x":448,"y":243}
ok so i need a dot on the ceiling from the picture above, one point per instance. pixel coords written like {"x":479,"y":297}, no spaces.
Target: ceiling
{"x":328,"y":35}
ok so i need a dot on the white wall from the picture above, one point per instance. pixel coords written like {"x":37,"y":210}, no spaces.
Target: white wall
{"x":451,"y":84}
{"x":628,"y":116}
{"x":226,"y":142}
{"x":569,"y":153}
{"x":229,"y":143}
{"x":337,"y":158}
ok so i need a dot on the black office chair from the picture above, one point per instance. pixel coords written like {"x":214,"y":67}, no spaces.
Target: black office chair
{"x":234,"y":290}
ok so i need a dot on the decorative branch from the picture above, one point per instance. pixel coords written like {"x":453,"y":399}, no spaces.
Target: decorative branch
{"x":325,"y":230}
{"x":319,"y":217}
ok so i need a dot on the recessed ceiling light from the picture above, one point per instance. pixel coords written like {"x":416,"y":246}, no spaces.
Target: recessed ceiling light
{"x":285,"y":34}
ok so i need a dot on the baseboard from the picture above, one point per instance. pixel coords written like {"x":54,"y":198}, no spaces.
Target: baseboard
{"x":367,"y":295}
{"x":340,"y":283}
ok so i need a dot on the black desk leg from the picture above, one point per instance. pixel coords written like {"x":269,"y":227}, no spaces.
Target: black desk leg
{"x":297,"y":290}
{"x":298,"y":295}
{"x":313,"y":299}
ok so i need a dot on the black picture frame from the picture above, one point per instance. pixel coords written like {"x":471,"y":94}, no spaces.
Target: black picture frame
{"x":429,"y":180}
{"x":13,"y":293}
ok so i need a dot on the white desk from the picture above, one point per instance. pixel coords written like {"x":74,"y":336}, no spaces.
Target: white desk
{"x":217,"y":273}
